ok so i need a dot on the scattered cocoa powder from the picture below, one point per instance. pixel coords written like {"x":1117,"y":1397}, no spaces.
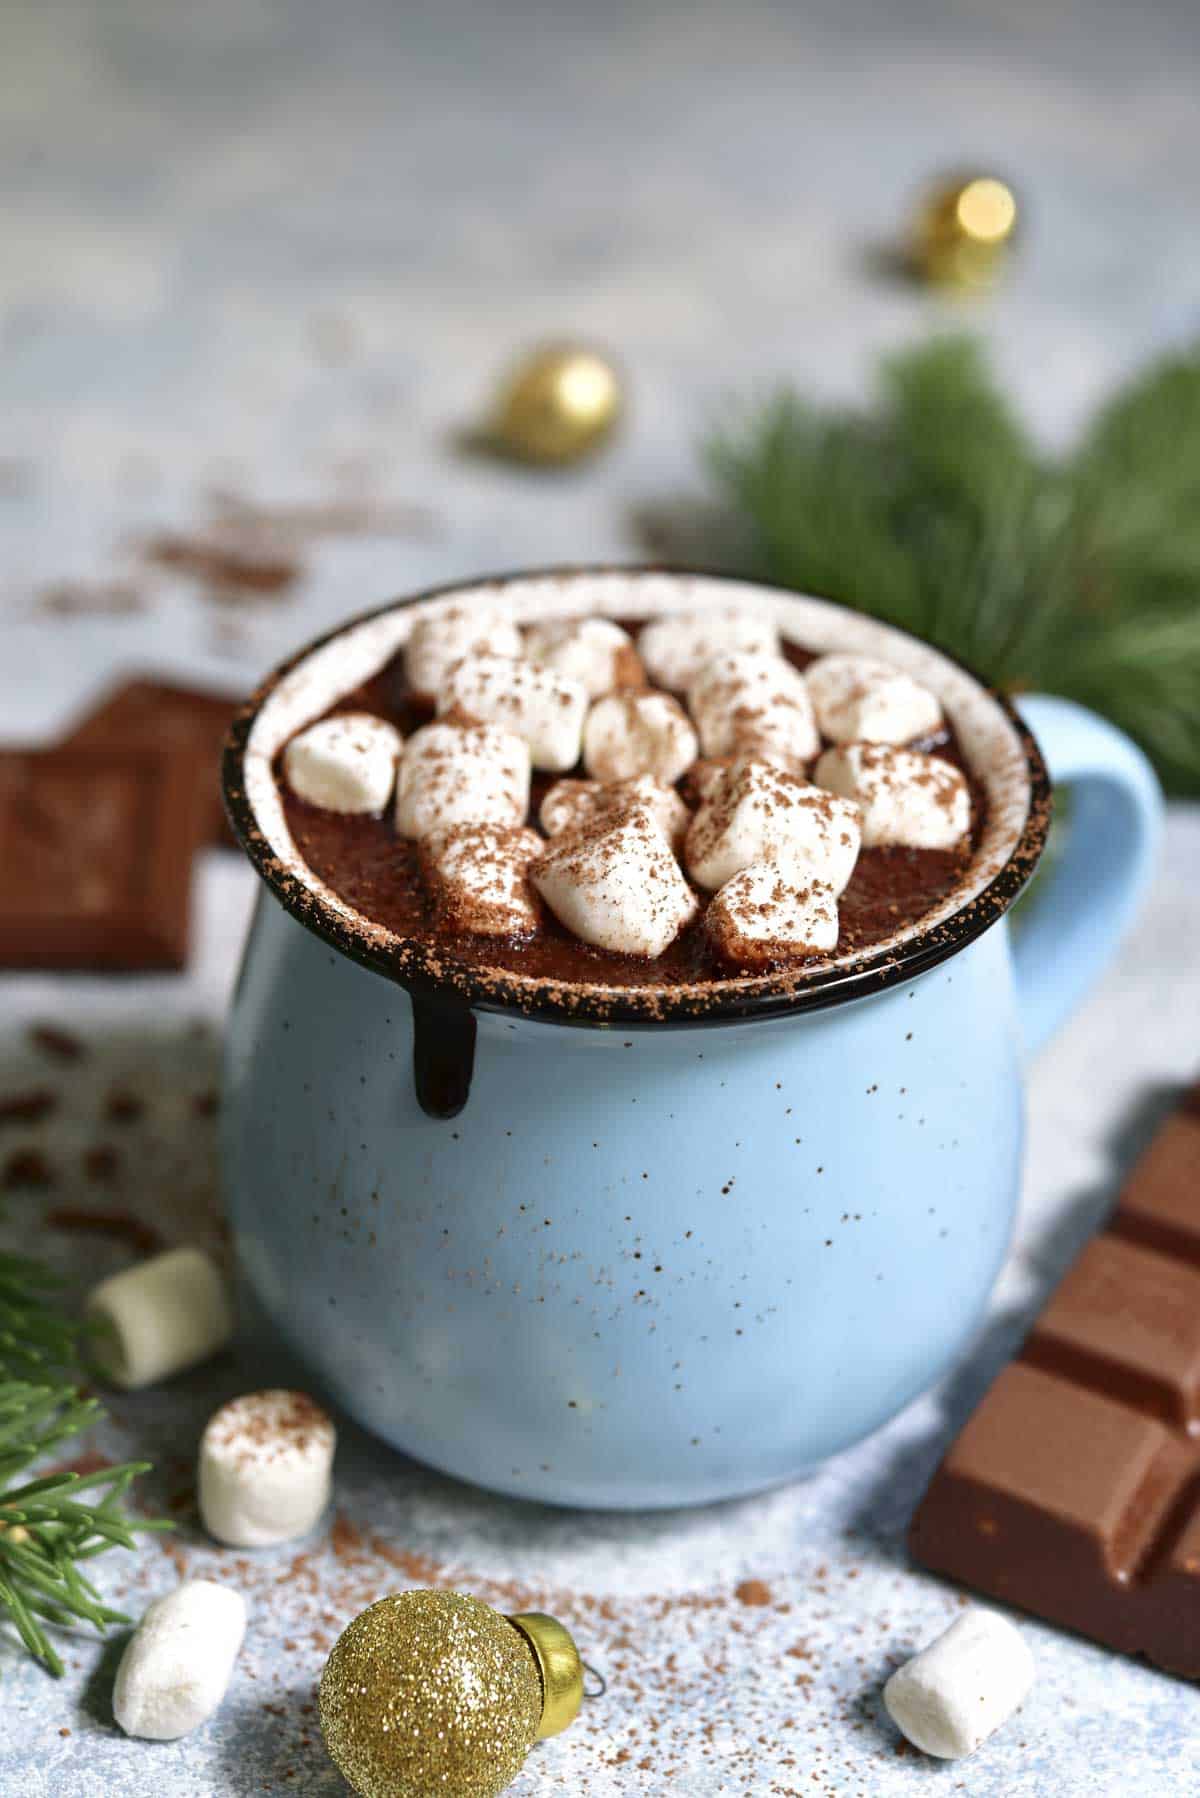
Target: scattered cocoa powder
{"x":228,"y":570}
{"x":89,"y":1462}
{"x":97,"y":599}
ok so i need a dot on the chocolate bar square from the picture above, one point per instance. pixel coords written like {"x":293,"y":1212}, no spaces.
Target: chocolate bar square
{"x":96,"y":854}
{"x":1074,"y":1489}
{"x":154,"y":714}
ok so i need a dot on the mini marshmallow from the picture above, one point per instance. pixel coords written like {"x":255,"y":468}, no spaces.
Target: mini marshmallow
{"x":593,"y":651}
{"x":905,"y":798}
{"x":159,"y":1317}
{"x":616,"y":884}
{"x":545,"y":708}
{"x":858,"y":699}
{"x":660,"y":800}
{"x":760,"y":813}
{"x":770,"y":911}
{"x":638,"y":733}
{"x":436,"y":643}
{"x":344,"y":764}
{"x":570,"y":803}
{"x":743,"y":701}
{"x":674,"y":649}
{"x":461,"y":774}
{"x":265,"y":1468}
{"x":177,"y":1664}
{"x":950,"y":1697}
{"x":704,"y":776}
{"x":478,"y":876}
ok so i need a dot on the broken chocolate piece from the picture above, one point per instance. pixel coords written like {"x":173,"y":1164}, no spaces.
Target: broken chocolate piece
{"x":1074,"y":1490}
{"x":154,"y":714}
{"x":97,"y":847}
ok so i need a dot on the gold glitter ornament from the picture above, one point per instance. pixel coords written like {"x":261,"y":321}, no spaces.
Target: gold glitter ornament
{"x":435,"y":1693}
{"x":557,"y":405}
{"x":963,"y":231}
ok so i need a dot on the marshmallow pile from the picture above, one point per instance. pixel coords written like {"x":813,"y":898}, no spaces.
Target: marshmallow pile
{"x":791,"y":774}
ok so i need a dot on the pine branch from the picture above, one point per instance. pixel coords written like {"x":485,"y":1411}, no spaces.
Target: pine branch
{"x":935,"y":511}
{"x":44,"y":1531}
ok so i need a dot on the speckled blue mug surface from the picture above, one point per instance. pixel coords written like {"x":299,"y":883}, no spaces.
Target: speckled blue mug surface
{"x":653,"y":1250}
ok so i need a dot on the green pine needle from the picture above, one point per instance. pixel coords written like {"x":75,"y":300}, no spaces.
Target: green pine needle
{"x":45,"y":1532}
{"x":935,"y":510}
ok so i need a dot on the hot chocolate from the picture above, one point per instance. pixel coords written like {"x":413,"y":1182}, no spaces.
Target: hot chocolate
{"x":713,"y":801}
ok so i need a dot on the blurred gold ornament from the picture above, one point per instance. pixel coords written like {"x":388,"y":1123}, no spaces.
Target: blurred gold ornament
{"x":556,"y":406}
{"x":963,"y":230}
{"x":435,"y":1693}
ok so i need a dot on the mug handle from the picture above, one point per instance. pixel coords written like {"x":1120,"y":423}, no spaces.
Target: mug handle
{"x":1080,"y":909}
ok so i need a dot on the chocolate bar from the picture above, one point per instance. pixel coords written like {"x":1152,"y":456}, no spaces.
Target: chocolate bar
{"x":97,"y":848}
{"x":155,"y":714}
{"x":1074,"y":1490}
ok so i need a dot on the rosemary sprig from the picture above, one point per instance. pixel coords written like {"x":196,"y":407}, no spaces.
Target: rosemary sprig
{"x":934,"y":509}
{"x":45,"y":1532}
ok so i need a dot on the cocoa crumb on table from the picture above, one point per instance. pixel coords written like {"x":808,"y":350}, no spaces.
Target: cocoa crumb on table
{"x":61,"y":1045}
{"x":28,"y":1108}
{"x":121,"y":1226}
{"x":26,"y":1167}
{"x":90,"y":1462}
{"x":101,"y":1163}
{"x":226,"y":568}
{"x":754,"y":1592}
{"x":78,"y":599}
{"x":123,"y":1106}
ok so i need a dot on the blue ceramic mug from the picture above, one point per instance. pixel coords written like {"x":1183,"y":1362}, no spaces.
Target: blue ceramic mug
{"x":635,"y":1251}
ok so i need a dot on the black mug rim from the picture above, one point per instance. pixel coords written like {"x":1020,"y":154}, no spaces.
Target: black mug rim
{"x":421,"y":969}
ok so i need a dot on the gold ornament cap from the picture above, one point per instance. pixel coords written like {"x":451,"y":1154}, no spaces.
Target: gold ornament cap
{"x":964,"y":227}
{"x":560,"y":1667}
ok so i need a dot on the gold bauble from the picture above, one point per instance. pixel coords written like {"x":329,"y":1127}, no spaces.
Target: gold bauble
{"x":963,"y":230}
{"x":557,"y":405}
{"x":434,"y":1693}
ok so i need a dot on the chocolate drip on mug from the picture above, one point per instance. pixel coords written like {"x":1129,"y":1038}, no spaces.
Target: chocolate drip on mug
{"x":443,"y":1054}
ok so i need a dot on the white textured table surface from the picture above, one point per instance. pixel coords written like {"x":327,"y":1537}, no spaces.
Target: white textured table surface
{"x":282,"y":250}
